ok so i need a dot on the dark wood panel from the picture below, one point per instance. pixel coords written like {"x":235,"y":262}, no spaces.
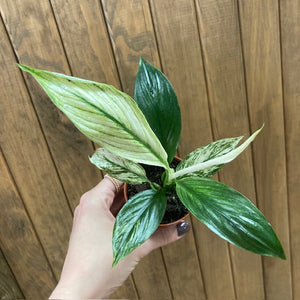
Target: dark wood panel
{"x":261,"y":45}
{"x":126,"y":291}
{"x":86,"y":40}
{"x":219,"y":29}
{"x":290,"y":45}
{"x":180,"y":54}
{"x":22,"y":249}
{"x":229,"y":80}
{"x":90,"y":56}
{"x":9,"y":288}
{"x":29,"y":161}
{"x":132,"y":36}
{"x":37,"y":43}
{"x":131,"y":32}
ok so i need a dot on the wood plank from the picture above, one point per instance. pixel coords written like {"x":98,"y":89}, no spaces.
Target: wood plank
{"x":126,"y":291}
{"x":183,"y":268}
{"x":261,"y":45}
{"x":86,"y":40}
{"x":37,"y":43}
{"x":89,"y":52}
{"x":22,"y":249}
{"x":29,"y":161}
{"x":290,"y":45}
{"x":151,"y":279}
{"x":219,"y":29}
{"x":131,"y":32}
{"x":132,"y":36}
{"x":180,"y":53}
{"x":9,"y":288}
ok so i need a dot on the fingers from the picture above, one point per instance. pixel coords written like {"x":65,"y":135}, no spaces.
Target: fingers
{"x":117,"y":184}
{"x":103,"y":193}
{"x":164,"y":236}
{"x":169,"y":234}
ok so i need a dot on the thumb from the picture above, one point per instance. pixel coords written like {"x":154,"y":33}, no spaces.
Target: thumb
{"x":165,"y":235}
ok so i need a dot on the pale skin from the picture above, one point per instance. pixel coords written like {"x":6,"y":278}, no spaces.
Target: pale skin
{"x":87,"y":272}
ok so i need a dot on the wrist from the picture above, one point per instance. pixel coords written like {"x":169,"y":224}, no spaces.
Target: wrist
{"x":63,"y":291}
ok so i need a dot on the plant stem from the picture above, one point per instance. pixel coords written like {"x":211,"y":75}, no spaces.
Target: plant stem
{"x":168,"y":179}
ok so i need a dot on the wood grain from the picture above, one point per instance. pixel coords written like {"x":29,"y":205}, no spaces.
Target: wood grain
{"x":219,"y":29}
{"x":22,"y":249}
{"x":30,"y":163}
{"x":234,"y":65}
{"x":126,"y":291}
{"x":183,"y":268}
{"x":151,"y":279}
{"x":261,"y":47}
{"x":180,"y":53}
{"x":131,"y":32}
{"x":86,"y":41}
{"x":90,"y":56}
{"x":290,"y":45}
{"x":37,"y":43}
{"x":9,"y":288}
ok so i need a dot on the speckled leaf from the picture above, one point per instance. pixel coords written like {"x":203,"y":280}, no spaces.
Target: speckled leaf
{"x":156,"y":98}
{"x":205,"y":153}
{"x":105,"y":115}
{"x":118,"y":167}
{"x":229,"y":214}
{"x":137,"y":221}
{"x":217,"y":161}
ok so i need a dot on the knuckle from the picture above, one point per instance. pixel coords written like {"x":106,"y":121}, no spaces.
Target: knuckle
{"x":84,"y":198}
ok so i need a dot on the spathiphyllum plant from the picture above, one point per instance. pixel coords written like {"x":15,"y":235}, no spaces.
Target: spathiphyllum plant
{"x":145,"y":131}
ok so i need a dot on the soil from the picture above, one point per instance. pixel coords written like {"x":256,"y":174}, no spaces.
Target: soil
{"x":175,"y":209}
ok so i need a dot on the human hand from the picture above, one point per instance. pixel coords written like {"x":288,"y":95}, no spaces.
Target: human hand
{"x":87,"y":272}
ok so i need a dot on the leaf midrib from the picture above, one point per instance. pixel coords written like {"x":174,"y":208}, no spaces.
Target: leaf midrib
{"x":114,"y":120}
{"x":123,"y":168}
{"x":226,"y":217}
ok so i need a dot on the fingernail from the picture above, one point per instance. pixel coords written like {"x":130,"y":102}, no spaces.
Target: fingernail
{"x":183,"y":228}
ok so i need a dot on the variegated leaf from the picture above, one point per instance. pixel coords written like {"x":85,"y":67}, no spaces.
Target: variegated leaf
{"x":118,"y":167}
{"x":137,"y":221}
{"x":223,"y":159}
{"x":205,"y":153}
{"x":229,"y":214}
{"x":105,"y":115}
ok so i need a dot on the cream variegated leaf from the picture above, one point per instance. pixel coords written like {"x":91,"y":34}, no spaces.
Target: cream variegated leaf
{"x":122,"y":169}
{"x":223,"y":159}
{"x":208,"y":152}
{"x":105,"y":115}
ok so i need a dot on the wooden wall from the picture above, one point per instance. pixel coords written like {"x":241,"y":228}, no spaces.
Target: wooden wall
{"x":234,"y":64}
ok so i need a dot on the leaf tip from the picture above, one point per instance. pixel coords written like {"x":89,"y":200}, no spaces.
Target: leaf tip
{"x":281,"y":253}
{"x":28,"y":69}
{"x":24,"y":67}
{"x":114,"y":263}
{"x":142,"y":61}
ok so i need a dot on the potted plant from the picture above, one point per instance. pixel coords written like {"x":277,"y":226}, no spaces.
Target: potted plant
{"x":142,"y":134}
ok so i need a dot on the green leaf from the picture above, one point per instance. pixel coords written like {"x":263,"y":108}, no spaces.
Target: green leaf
{"x":156,"y":98}
{"x":123,"y":169}
{"x":219,"y":160}
{"x":229,"y":214}
{"x":137,"y":221}
{"x":205,"y":153}
{"x":105,"y":115}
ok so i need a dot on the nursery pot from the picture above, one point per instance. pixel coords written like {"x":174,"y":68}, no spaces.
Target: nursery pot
{"x":177,"y":159}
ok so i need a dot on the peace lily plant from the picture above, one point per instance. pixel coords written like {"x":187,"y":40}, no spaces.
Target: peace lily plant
{"x":146,"y":131}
